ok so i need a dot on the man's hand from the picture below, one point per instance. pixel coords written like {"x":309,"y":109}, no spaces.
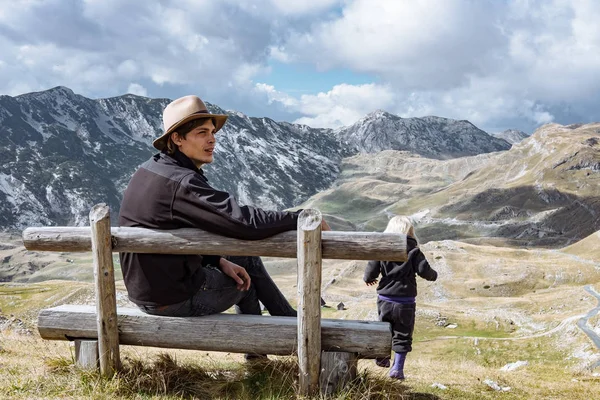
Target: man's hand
{"x":325,"y":225}
{"x":371,"y":283}
{"x":237,"y":273}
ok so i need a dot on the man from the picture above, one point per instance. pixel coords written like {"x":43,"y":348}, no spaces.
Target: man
{"x":170,"y":191}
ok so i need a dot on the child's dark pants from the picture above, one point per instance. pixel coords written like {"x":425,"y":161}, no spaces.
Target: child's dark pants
{"x":402,"y":319}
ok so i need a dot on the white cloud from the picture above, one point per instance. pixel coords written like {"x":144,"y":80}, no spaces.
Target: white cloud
{"x":136,"y":88}
{"x":342,"y":105}
{"x":554,"y":50}
{"x":128,"y":69}
{"x":204,"y":45}
{"x":244,"y":74}
{"x":279,"y":54}
{"x":275,"y":96}
{"x":482,"y":61}
{"x":481,"y":102}
{"x":421,"y":44}
{"x":303,"y":7}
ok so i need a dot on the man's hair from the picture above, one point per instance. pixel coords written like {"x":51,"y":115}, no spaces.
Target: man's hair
{"x":401,"y":224}
{"x":183,"y":130}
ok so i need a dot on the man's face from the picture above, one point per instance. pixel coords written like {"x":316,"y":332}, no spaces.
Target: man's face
{"x":198,"y":144}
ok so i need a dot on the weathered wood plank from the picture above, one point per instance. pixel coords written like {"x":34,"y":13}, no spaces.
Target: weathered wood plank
{"x":309,"y":300}
{"x":106,"y":301}
{"x":337,"y":370}
{"x":220,"y":332}
{"x":86,"y":353}
{"x":336,"y":245}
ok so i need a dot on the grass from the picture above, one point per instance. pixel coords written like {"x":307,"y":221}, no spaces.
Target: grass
{"x":25,"y":300}
{"x":464,"y":364}
{"x":153,"y":374}
{"x":352,"y":206}
{"x":34,"y":368}
{"x":465,"y":328}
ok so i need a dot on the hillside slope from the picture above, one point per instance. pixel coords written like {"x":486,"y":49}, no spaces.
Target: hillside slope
{"x":543,"y":191}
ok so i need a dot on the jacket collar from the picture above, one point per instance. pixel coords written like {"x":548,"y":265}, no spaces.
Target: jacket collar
{"x":182,"y":160}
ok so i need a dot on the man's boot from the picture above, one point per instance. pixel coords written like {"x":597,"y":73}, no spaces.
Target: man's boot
{"x":383,"y":362}
{"x":253,"y":357}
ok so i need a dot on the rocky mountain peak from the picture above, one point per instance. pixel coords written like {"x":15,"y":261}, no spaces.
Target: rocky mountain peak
{"x":512,"y":136}
{"x":378,"y":114}
{"x":433,"y":137}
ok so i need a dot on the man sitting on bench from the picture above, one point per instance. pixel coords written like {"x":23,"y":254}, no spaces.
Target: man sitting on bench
{"x":170,"y":191}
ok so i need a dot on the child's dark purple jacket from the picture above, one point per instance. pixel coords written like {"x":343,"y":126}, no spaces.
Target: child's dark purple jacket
{"x":398,"y":279}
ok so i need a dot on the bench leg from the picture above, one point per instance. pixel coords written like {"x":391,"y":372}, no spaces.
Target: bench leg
{"x":86,"y":353}
{"x":337,"y":370}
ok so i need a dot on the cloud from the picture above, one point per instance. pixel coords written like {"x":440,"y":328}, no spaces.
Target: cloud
{"x":418,"y":44}
{"x":342,"y":105}
{"x":485,"y":61}
{"x":515,"y":63}
{"x":87,"y":44}
{"x":301,"y":8}
{"x":136,"y":88}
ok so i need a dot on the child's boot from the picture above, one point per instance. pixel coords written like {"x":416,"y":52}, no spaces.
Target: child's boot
{"x":397,"y":371}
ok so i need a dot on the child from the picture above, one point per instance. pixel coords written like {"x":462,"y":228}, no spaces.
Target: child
{"x":397,"y":291}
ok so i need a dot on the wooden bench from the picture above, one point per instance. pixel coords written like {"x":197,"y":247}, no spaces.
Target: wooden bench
{"x":327,"y":349}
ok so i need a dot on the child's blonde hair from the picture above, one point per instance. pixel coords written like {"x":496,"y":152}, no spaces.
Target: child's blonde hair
{"x":401,"y":224}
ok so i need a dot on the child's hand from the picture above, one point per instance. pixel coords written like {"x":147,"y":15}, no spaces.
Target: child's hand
{"x":371,"y":283}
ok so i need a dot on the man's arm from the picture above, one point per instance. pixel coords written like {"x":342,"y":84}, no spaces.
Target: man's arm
{"x":198,"y":204}
{"x":210,"y":260}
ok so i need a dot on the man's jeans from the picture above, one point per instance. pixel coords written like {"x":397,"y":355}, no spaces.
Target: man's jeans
{"x":219,"y":292}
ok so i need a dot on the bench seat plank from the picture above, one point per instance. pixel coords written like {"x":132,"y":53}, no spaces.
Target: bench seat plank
{"x":220,"y":332}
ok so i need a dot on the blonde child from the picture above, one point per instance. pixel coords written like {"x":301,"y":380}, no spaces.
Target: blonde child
{"x":397,"y":291}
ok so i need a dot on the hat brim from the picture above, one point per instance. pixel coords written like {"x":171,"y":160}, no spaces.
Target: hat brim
{"x":161,"y":142}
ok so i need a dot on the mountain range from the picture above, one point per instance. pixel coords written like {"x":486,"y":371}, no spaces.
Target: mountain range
{"x":544,"y":191}
{"x":64,"y":152}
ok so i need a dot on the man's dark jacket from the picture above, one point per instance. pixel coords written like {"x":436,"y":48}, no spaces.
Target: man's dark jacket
{"x":397,"y":278}
{"x":169,"y":192}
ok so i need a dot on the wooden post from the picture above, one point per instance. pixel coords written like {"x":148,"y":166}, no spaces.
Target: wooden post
{"x":86,"y":353}
{"x":337,"y":370}
{"x":106,"y":303}
{"x":309,"y":303}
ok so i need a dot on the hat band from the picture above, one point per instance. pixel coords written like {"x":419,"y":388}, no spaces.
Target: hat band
{"x":195,"y":113}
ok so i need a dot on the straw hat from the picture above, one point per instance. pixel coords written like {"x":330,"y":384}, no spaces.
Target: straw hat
{"x":182,"y":110}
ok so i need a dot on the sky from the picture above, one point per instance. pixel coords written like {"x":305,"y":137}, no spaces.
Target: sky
{"x":500,"y":64}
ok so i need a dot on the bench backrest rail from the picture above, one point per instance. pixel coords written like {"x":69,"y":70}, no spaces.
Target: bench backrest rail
{"x":335,"y":244}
